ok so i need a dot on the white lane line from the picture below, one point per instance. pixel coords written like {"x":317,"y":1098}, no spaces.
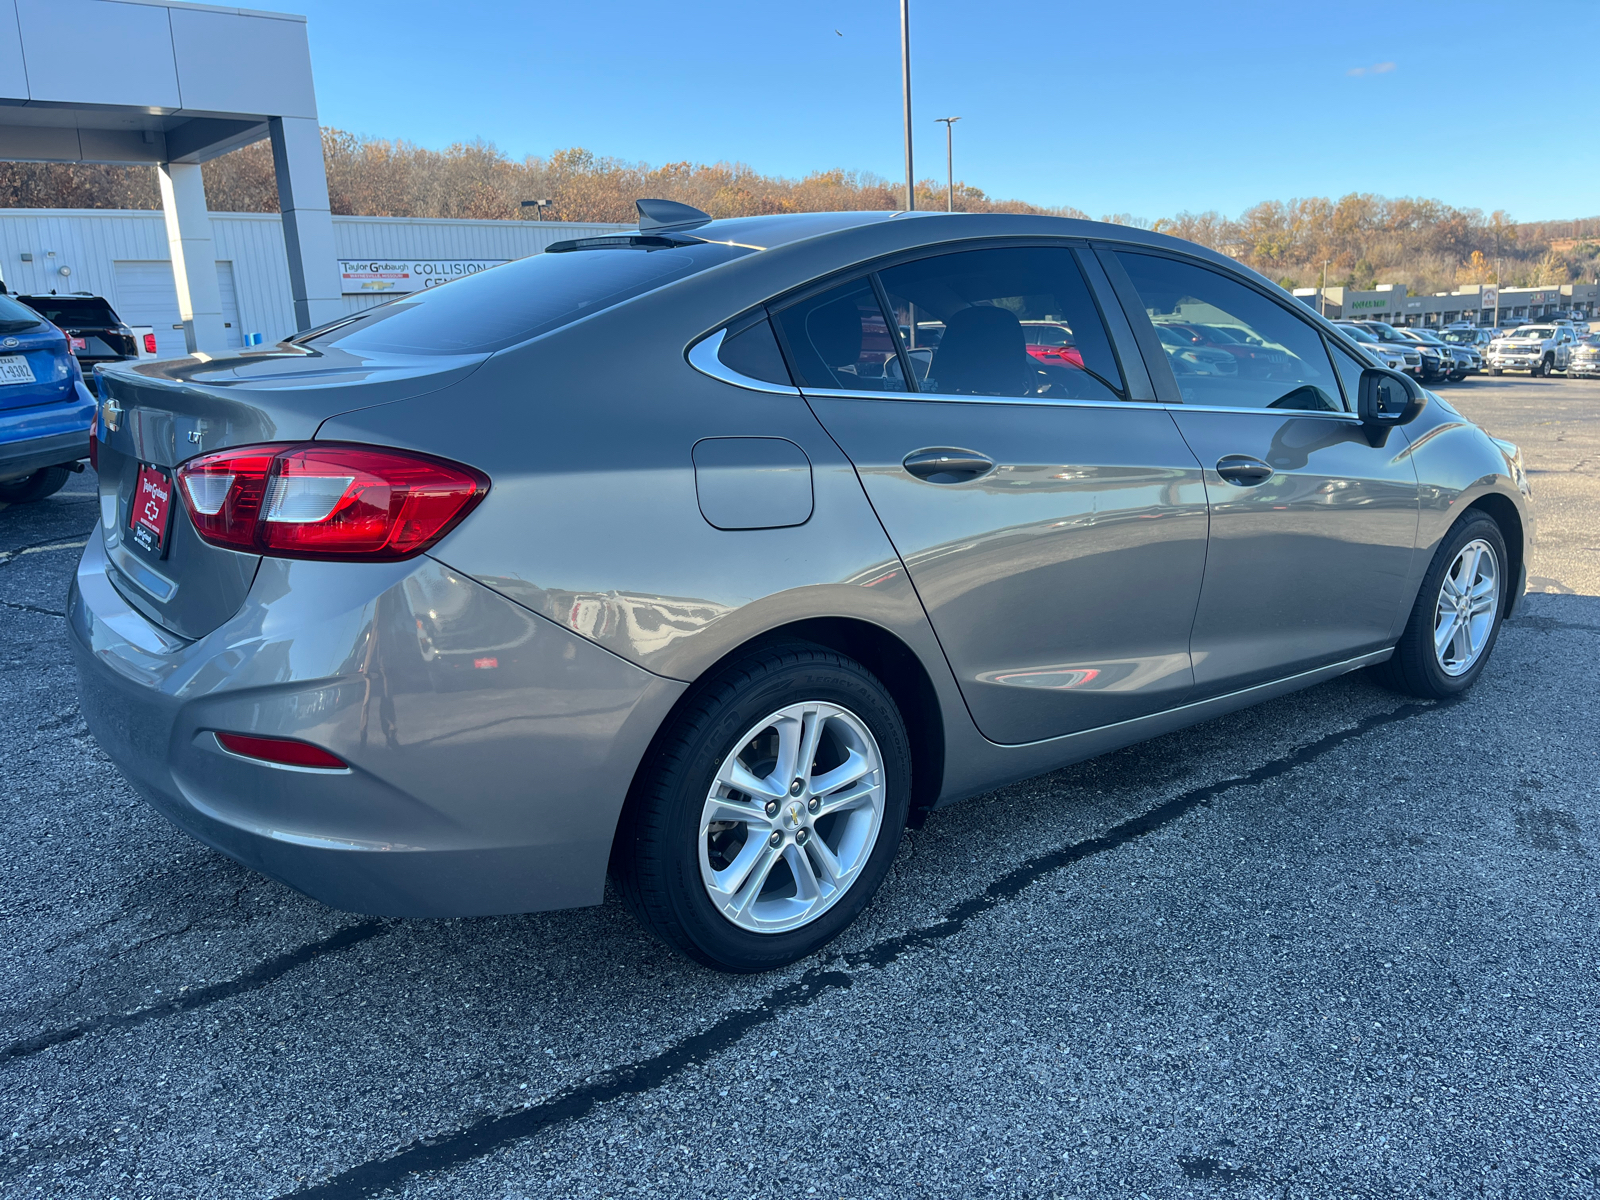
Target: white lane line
{"x":8,"y":555}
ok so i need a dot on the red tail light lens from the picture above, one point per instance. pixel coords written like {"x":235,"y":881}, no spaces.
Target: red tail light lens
{"x":281,"y":750}
{"x":327,"y":500}
{"x":149,"y":343}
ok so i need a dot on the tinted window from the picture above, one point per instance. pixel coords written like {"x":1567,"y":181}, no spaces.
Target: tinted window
{"x":1349,"y":375}
{"x":840,"y":340}
{"x":73,"y":311}
{"x":1013,"y":322}
{"x":754,"y":353}
{"x":14,"y":317}
{"x":1270,"y":358}
{"x":517,"y":301}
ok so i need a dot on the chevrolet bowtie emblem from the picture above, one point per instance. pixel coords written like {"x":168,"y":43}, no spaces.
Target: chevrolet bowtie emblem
{"x":112,"y":412}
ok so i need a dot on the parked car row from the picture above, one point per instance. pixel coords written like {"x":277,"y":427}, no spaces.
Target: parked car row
{"x":49,"y":347}
{"x":1456,"y":351}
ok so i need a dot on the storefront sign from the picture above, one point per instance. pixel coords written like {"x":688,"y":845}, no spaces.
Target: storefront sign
{"x":365,"y":277}
{"x":1489,"y":297}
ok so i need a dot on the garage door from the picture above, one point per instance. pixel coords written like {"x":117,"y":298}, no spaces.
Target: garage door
{"x":146,"y":295}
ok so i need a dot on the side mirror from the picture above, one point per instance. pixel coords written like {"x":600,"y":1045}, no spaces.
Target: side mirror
{"x":1387,"y":398}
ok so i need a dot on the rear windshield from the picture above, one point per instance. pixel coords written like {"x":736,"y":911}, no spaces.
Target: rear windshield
{"x":73,"y":311}
{"x":14,"y":317}
{"x":520,"y":300}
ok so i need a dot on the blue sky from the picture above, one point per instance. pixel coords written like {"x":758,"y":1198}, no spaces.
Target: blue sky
{"x":1145,"y":108}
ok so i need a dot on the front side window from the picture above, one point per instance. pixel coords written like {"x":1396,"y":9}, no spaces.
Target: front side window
{"x":1016,"y":321}
{"x":1202,"y":317}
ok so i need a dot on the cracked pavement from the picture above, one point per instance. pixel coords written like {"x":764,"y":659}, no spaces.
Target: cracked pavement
{"x":1338,"y":944}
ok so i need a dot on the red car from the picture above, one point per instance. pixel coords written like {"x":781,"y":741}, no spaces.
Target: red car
{"x":1052,"y":342}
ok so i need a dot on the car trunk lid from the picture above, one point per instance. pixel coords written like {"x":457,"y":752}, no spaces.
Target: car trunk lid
{"x":155,"y":416}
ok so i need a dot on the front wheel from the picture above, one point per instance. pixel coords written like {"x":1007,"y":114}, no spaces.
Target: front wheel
{"x":767,"y":814}
{"x":1456,"y":619}
{"x":1542,"y":369}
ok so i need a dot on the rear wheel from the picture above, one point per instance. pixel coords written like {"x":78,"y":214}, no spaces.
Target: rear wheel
{"x":769,"y":812}
{"x":1456,"y":619}
{"x":37,"y":486}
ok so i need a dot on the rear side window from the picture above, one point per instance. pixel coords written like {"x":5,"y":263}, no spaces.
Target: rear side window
{"x":839,"y":340}
{"x":1005,"y":322}
{"x":15,"y":317}
{"x":520,"y":300}
{"x":753,"y":352}
{"x":1228,"y":345}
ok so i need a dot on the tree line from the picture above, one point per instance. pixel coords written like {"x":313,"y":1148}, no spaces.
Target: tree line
{"x":1357,"y":240}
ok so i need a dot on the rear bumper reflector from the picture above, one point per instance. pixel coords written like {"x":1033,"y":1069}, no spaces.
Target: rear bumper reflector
{"x":285,"y":751}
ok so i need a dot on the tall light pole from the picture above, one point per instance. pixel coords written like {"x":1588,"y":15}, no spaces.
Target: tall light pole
{"x":949,"y":164}
{"x":1322,"y":296}
{"x":905,"y":80}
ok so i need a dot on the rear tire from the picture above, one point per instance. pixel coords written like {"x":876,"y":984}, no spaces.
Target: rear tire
{"x":1419,"y":666}
{"x":738,"y":877}
{"x":37,"y":486}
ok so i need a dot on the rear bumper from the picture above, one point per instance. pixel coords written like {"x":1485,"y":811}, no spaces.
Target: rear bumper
{"x":46,"y":435}
{"x":490,"y":752}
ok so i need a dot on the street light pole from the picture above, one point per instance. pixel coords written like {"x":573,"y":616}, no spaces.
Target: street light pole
{"x":1322,"y":295}
{"x":949,"y":164}
{"x":905,"y":79}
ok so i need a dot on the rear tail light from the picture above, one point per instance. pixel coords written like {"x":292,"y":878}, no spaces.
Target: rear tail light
{"x":149,"y":343}
{"x":286,"y":751}
{"x":327,"y":500}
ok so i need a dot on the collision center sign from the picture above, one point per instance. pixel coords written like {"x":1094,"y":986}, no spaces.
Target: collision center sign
{"x":365,"y":277}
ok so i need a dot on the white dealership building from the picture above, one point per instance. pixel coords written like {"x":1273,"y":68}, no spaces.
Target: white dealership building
{"x":125,"y":256}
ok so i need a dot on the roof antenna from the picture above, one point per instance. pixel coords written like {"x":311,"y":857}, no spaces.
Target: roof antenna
{"x":656,"y":216}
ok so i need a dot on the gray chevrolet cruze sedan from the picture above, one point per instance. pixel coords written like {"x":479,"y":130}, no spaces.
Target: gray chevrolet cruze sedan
{"x":712,"y":554}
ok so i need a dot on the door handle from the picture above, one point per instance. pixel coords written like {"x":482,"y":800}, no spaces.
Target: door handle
{"x":1243,"y":470}
{"x":945,"y":465}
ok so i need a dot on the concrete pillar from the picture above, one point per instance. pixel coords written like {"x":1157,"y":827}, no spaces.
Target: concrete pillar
{"x":194,"y":258}
{"x":307,"y":221}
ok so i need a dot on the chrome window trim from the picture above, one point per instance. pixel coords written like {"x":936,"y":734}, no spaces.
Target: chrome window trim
{"x":1045,"y":402}
{"x":702,"y":357}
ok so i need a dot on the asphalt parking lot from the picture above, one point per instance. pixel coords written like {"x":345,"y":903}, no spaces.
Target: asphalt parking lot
{"x":1339,"y":944}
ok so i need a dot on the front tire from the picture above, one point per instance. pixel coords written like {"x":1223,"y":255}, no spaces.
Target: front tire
{"x":42,"y":483}
{"x":767,"y":813}
{"x":1455,"y":621}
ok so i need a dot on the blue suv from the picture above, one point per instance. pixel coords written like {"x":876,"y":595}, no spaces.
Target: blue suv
{"x":45,"y":409}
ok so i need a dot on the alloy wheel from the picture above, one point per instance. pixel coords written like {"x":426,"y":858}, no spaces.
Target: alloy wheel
{"x":1469,"y":597}
{"x":791,"y":818}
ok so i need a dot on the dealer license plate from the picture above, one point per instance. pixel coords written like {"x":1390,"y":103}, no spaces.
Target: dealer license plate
{"x":151,"y":509}
{"x":14,"y":368}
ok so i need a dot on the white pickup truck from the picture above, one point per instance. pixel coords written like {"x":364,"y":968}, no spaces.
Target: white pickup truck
{"x":1537,"y":349}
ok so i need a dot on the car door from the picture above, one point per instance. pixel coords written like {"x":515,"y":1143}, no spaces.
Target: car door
{"x":1313,"y":527}
{"x":1053,"y":526}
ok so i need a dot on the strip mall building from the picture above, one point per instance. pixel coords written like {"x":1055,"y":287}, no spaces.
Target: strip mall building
{"x":1475,"y":304}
